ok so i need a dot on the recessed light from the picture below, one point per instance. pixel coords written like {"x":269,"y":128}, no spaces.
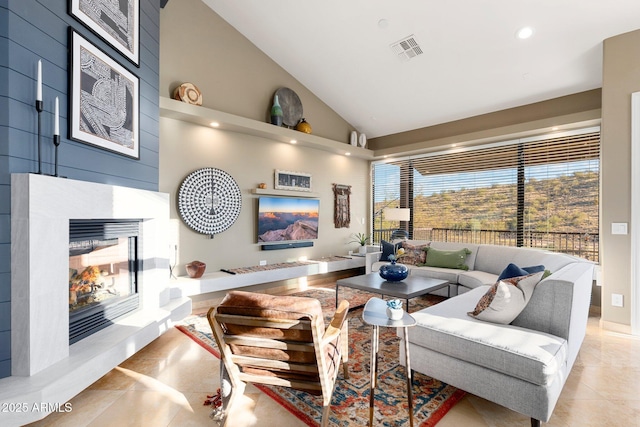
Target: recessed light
{"x":293,"y":141}
{"x":383,"y":23}
{"x":554,"y":128}
{"x":347,"y":153}
{"x":214,"y":124}
{"x":524,"y":33}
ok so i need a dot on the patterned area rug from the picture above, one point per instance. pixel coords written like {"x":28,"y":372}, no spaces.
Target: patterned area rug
{"x":350,"y":404}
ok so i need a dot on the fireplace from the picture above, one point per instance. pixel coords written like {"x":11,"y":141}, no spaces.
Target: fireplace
{"x":43,"y":208}
{"x":103,"y":274}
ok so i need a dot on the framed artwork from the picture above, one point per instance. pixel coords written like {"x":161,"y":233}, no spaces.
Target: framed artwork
{"x":116,"y":21}
{"x":104,"y":100}
{"x":286,"y":180}
{"x":341,"y":206}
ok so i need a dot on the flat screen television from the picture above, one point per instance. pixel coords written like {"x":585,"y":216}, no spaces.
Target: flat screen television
{"x":287,"y":219}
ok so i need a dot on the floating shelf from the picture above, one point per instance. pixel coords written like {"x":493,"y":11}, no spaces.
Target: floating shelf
{"x":267,"y":192}
{"x":172,"y":109}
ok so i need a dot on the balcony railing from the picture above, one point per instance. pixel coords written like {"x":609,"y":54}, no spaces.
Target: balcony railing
{"x":584,"y":245}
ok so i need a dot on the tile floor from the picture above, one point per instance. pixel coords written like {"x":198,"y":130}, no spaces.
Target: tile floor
{"x":166,"y":383}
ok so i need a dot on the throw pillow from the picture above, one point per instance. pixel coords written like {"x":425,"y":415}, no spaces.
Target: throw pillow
{"x":506,"y":299}
{"x":388,"y":249}
{"x":447,"y":259}
{"x":513,"y":270}
{"x":414,"y":254}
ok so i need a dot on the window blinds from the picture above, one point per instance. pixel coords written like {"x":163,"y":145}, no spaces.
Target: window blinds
{"x":541,"y":185}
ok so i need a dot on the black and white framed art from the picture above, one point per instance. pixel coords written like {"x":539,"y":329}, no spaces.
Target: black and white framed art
{"x":116,"y":21}
{"x":104,"y":100}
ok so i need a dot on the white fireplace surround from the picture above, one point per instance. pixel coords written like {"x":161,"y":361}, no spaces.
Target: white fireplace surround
{"x":45,"y":368}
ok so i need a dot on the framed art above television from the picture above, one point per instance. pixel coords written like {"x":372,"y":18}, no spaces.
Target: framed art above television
{"x":287,"y":180}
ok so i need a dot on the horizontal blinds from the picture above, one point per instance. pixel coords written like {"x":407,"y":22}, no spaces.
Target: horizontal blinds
{"x":478,"y":188}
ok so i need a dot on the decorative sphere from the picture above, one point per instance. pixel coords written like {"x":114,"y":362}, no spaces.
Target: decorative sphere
{"x":394,"y":272}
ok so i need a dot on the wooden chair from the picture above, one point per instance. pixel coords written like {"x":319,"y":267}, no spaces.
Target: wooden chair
{"x":280,"y":340}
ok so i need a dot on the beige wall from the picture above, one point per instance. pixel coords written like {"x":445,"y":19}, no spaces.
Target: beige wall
{"x":621,"y":77}
{"x":235,"y":77}
{"x":566,"y":112}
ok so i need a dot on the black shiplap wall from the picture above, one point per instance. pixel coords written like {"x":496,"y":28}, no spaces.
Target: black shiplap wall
{"x":38,"y":29}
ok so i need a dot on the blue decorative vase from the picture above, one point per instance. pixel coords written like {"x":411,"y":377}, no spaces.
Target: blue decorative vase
{"x":394,"y":272}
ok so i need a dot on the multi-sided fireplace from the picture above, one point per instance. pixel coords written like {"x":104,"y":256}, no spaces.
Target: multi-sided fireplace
{"x":103,"y":271}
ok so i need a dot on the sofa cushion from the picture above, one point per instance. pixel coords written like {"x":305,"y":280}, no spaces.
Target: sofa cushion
{"x":449,"y":274}
{"x":506,"y":299}
{"x":447,"y":259}
{"x":446,"y":328}
{"x":513,"y":270}
{"x":473,"y":279}
{"x":414,"y":254}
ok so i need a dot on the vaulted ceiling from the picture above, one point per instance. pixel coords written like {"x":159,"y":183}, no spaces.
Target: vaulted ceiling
{"x":470,"y":60}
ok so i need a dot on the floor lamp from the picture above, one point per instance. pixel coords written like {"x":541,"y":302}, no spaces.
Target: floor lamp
{"x":397,"y":214}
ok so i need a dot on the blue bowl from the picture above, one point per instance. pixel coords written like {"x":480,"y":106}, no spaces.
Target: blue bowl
{"x":394,"y":272}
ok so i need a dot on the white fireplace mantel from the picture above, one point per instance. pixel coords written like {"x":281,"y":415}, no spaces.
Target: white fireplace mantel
{"x":45,"y":368}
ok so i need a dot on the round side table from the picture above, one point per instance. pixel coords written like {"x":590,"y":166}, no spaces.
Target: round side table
{"x":375,"y":314}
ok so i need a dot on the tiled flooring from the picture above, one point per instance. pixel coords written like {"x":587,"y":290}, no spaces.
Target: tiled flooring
{"x":166,"y":383}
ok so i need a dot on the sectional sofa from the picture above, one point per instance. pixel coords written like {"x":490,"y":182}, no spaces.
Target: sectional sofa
{"x":523,"y":364}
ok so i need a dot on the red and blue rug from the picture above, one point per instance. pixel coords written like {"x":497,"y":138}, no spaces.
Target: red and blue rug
{"x":350,"y":404}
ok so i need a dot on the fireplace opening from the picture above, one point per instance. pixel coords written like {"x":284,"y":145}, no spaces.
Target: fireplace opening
{"x":103,"y":274}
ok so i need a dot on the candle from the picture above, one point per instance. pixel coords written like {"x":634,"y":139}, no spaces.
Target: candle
{"x":39,"y":87}
{"x":56,"y":123}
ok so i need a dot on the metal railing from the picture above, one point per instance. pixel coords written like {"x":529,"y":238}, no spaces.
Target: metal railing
{"x":584,"y":245}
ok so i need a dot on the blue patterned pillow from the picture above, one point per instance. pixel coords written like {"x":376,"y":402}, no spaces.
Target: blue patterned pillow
{"x":513,"y":270}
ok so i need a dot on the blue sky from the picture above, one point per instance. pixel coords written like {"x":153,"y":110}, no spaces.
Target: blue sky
{"x":288,"y":204}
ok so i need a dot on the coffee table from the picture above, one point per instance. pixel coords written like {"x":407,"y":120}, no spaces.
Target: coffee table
{"x":411,"y":287}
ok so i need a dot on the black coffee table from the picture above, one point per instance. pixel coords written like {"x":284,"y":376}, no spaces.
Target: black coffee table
{"x":411,"y":287}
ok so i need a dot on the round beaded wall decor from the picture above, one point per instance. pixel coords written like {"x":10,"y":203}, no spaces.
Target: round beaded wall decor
{"x":209,"y":201}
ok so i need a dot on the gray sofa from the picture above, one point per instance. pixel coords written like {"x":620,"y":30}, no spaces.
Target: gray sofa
{"x":523,"y":365}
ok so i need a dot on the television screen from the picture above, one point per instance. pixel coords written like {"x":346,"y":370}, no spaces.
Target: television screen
{"x":282,"y":219}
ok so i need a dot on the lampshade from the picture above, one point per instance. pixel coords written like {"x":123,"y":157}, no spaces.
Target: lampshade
{"x":397,"y":214}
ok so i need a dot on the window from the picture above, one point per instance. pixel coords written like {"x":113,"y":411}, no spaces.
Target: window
{"x":536,"y":192}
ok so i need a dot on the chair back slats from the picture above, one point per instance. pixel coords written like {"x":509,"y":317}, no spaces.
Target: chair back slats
{"x":268,"y":343}
{"x":303,"y":324}
{"x":280,"y":341}
{"x":298,"y":385}
{"x":270,"y":364}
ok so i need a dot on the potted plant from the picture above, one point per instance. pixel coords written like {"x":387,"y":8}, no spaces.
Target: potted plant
{"x":394,"y":309}
{"x":362,"y":240}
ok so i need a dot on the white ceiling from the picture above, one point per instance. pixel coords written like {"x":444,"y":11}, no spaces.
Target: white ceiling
{"x":472,"y":61}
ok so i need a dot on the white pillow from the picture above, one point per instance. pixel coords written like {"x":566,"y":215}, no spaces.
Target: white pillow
{"x":506,"y":299}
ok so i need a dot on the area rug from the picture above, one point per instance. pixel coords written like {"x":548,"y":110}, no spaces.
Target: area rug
{"x":350,"y":403}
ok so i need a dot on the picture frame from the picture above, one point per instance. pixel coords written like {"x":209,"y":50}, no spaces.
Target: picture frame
{"x":287,"y":180}
{"x":118,"y":26}
{"x":103,"y":100}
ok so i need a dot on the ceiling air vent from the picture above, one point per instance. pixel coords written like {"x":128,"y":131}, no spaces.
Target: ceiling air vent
{"x":407,"y":48}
